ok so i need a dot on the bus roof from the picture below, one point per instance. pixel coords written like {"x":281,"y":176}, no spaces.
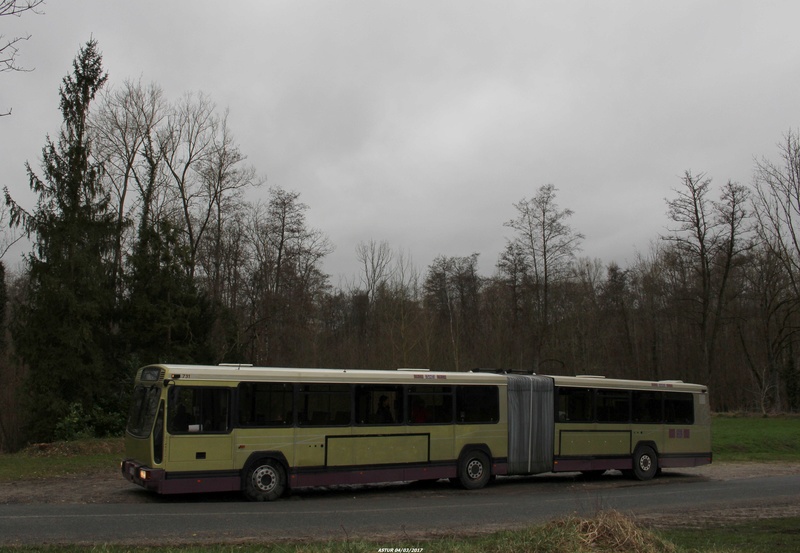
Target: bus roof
{"x":248,"y":373}
{"x":236,"y":373}
{"x":586,"y":381}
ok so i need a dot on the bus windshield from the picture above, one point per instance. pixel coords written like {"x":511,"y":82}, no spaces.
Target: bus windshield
{"x":143,"y":410}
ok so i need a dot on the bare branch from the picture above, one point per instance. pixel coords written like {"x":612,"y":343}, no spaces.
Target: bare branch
{"x":18,"y":7}
{"x":8,"y":47}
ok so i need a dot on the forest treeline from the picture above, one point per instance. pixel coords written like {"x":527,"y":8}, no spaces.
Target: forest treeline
{"x":146,"y":248}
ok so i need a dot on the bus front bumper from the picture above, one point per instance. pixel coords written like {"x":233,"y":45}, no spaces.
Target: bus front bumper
{"x":141,"y":475}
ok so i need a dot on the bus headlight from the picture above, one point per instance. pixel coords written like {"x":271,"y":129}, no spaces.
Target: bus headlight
{"x":142,"y":474}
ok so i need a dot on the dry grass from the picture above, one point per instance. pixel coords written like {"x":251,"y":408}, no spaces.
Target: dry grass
{"x":610,"y":531}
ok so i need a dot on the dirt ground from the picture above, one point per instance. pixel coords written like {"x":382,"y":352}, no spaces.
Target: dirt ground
{"x":732,"y":514}
{"x":109,"y":487}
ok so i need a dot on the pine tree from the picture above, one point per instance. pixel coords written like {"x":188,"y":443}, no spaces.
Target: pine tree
{"x":167,"y":319}
{"x":64,"y":330}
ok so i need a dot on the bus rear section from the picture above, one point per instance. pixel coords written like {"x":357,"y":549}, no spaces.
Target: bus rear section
{"x":632,"y":426}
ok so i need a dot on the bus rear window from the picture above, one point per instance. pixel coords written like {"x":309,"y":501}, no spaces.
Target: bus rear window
{"x":143,"y":410}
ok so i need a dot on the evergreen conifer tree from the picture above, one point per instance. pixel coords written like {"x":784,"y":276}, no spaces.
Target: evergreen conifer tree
{"x":167,"y":319}
{"x":63,"y":331}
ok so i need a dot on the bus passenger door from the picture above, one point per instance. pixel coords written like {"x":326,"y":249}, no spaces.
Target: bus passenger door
{"x":198,"y":429}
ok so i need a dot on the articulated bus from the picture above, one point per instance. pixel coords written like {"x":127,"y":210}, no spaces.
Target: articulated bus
{"x":265,"y":431}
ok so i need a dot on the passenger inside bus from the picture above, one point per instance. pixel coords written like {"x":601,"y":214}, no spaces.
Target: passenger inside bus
{"x":419,"y":413}
{"x":180,"y":423}
{"x":383,"y":413}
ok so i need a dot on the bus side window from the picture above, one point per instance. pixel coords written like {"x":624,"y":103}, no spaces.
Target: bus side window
{"x":379,"y":404}
{"x":647,"y":407}
{"x":198,"y":409}
{"x":613,"y":405}
{"x":178,"y":414}
{"x":678,"y":408}
{"x":265,"y":404}
{"x":430,"y":404}
{"x":477,"y":404}
{"x":575,"y":404}
{"x":420,"y":413}
{"x":158,"y":436}
{"x":324,"y":405}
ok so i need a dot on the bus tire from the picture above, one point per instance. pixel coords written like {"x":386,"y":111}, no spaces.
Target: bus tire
{"x":266,"y":481}
{"x":474,"y":470}
{"x":645,"y":463}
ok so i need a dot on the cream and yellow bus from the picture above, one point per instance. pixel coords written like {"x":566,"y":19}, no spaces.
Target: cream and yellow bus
{"x":265,"y":431}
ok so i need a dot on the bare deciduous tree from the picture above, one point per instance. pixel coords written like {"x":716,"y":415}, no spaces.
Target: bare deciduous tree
{"x":9,"y":47}
{"x":549,"y":246}
{"x":8,"y":237}
{"x":768,"y":329}
{"x":125,"y":127}
{"x":186,"y":144}
{"x":404,"y":284}
{"x":777,"y":209}
{"x":225,"y":177}
{"x":708,"y":239}
{"x":375,"y":260}
{"x":777,"y":206}
{"x":452,"y":292}
{"x":286,"y":278}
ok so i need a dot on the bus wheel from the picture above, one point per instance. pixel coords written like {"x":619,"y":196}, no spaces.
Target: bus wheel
{"x":645,"y":463}
{"x":266,"y":481}
{"x":474,"y":470}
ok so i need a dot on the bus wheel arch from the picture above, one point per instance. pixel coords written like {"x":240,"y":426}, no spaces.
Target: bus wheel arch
{"x":474,"y":467}
{"x":645,"y":461}
{"x":265,"y":476}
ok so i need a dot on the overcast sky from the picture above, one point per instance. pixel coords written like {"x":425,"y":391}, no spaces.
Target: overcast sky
{"x":422,"y":123}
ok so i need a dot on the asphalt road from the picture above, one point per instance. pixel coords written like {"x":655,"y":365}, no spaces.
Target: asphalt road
{"x":389,"y":513}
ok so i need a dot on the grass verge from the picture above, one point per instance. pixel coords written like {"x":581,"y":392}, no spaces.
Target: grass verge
{"x":776,"y":535}
{"x":607,"y":532}
{"x":755,"y":438}
{"x":61,"y":459}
